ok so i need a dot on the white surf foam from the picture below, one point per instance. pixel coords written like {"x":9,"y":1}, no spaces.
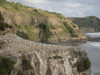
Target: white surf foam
{"x":95,"y":44}
{"x":97,"y":34}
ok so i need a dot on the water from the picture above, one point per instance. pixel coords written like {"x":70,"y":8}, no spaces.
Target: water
{"x":93,"y":35}
{"x":93,"y":51}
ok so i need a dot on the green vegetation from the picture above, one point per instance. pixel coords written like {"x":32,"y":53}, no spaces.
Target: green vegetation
{"x":57,"y":57}
{"x":90,"y":21}
{"x":26,"y":64}
{"x":3,"y":26}
{"x":83,"y":65}
{"x":40,"y":32}
{"x":17,"y":7}
{"x":12,"y":6}
{"x":70,"y":29}
{"x":22,"y":35}
{"x":73,"y":25}
{"x":58,"y":15}
{"x":49,"y":57}
{"x":45,"y":32}
{"x":6,"y":65}
{"x":2,"y":1}
{"x":24,"y":31}
{"x":52,"y":26}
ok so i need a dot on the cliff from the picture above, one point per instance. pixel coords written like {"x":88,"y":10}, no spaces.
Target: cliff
{"x":24,"y":57}
{"x":19,"y":55}
{"x":87,"y":24}
{"x":38,"y":25}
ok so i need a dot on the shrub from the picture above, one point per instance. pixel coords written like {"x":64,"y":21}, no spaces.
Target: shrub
{"x":4,"y":25}
{"x":53,"y":27}
{"x":83,"y":65}
{"x":49,"y":57}
{"x":6,"y":65}
{"x":72,"y":32}
{"x":87,"y":64}
{"x":26,"y":64}
{"x":45,"y":32}
{"x":22,"y":35}
{"x":25,"y":31}
{"x":57,"y":57}
{"x":35,"y":10}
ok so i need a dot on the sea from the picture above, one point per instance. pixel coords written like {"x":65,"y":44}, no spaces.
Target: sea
{"x":93,"y":51}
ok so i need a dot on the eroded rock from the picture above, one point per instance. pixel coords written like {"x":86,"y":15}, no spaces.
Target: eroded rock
{"x":33,"y":58}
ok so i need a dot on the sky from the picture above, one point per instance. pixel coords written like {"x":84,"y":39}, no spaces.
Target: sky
{"x":69,"y":8}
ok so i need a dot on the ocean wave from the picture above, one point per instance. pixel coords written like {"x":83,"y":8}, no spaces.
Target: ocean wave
{"x":93,"y":34}
{"x":95,"y":44}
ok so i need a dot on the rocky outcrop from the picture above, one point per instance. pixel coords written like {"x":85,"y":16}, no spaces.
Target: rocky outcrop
{"x":33,"y":58}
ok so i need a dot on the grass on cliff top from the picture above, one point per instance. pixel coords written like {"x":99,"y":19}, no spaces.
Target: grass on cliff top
{"x":17,"y":7}
{"x":6,"y":65}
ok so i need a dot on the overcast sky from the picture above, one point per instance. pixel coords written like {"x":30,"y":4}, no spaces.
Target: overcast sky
{"x":69,"y":8}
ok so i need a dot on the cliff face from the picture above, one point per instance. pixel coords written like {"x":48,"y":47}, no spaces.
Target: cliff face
{"x":30,"y":58}
{"x":87,"y":24}
{"x":23,"y":57}
{"x":38,"y":25}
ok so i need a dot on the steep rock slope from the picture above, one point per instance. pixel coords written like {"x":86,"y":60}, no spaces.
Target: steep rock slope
{"x":38,"y":25}
{"x":24,"y":57}
{"x":87,"y":24}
